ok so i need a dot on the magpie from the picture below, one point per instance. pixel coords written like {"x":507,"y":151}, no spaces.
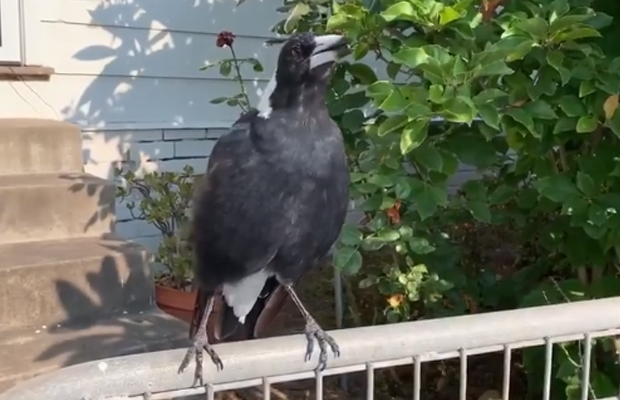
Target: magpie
{"x":271,"y":205}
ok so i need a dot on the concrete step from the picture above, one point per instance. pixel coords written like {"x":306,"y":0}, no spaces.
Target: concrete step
{"x":34,"y":350}
{"x":61,"y":281}
{"x":30,"y":146}
{"x":55,"y":206}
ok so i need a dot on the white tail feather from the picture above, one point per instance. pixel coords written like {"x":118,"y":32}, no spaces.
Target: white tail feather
{"x":242,"y":295}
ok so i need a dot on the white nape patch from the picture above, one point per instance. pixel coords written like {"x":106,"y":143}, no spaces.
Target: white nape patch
{"x":264,"y":104}
{"x":242,"y":295}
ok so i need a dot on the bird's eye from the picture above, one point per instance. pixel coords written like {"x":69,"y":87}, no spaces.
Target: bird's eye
{"x":296,"y":52}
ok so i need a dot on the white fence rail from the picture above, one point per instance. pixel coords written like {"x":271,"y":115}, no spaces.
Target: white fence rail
{"x":266,"y":361}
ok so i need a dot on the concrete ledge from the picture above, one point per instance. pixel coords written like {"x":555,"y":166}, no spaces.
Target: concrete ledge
{"x":31,"y":351}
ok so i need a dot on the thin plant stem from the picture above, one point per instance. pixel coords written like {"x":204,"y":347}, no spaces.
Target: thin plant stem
{"x":239,"y":79}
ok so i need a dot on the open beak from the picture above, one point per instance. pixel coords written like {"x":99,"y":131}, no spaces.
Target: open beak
{"x":335,"y":43}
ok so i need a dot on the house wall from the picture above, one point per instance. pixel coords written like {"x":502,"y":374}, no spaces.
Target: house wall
{"x":127,"y":72}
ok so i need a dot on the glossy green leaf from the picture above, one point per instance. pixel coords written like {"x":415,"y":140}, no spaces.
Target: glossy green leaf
{"x":522,"y":117}
{"x":586,"y":123}
{"x":412,"y":57}
{"x":336,"y":21}
{"x":567,"y":21}
{"x":348,"y":260}
{"x":447,"y":15}
{"x":475,"y":190}
{"x":572,"y":106}
{"x":459,"y":109}
{"x":392,"y":123}
{"x":352,"y":120}
{"x":586,"y":184}
{"x":388,"y":235}
{"x":565,"y":124}
{"x":413,"y":135}
{"x":535,"y":27}
{"x":480,"y":211}
{"x":225,"y":68}
{"x":400,"y":10}
{"x":435,"y":94}
{"x":498,"y":67}
{"x":428,"y":156}
{"x":350,"y":235}
{"x":489,"y":115}
{"x":586,"y":88}
{"x":392,"y":69}
{"x":576,"y":34}
{"x":395,"y":101}
{"x":380,"y":89}
{"x":614,"y":123}
{"x":363,"y":73}
{"x":420,"y":245}
{"x":218,"y":100}
{"x":556,"y":187}
{"x":555,"y":59}
{"x":488,"y":95}
{"x":501,"y":194}
{"x":428,"y":200}
{"x":541,"y":109}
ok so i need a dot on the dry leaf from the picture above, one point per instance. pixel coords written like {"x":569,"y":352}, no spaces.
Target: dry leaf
{"x":610,"y":106}
{"x":393,"y":213}
{"x":471,"y":304}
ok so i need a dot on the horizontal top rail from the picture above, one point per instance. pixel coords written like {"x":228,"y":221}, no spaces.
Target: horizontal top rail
{"x":248,"y":362}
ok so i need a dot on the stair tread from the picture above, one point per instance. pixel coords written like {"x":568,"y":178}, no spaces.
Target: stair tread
{"x":13,"y":255}
{"x":27,"y":352}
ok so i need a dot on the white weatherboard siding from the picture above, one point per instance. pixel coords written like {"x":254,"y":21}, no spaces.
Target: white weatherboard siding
{"x":136,"y":63}
{"x":127,"y":71}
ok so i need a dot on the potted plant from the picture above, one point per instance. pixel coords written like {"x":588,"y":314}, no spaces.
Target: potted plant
{"x":163,"y":199}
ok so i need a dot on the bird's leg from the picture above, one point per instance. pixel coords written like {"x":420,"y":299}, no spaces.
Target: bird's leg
{"x":314,"y":331}
{"x":200,"y":342}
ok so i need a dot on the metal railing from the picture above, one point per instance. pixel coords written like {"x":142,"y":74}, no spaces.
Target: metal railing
{"x":267,"y":361}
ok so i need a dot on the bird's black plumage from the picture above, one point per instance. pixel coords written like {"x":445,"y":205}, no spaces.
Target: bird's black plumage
{"x":273,"y":201}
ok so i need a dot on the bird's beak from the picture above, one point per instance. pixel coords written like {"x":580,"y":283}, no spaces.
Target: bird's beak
{"x":328,"y":48}
{"x":336,"y":43}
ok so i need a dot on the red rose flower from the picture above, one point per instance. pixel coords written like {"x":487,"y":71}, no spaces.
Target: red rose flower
{"x":225,"y":38}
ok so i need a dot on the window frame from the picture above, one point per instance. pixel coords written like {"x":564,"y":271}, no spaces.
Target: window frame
{"x":10,"y":29}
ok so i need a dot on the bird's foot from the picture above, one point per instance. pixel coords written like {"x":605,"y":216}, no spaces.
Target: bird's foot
{"x":314,"y":331}
{"x":200,"y":343}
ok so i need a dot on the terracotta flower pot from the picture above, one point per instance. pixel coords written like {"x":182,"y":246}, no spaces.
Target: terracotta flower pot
{"x":178,"y":303}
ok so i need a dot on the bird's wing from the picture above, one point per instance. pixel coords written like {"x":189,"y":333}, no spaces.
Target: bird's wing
{"x":236,"y":230}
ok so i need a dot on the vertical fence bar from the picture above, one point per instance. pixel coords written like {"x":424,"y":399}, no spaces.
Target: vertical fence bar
{"x":370,"y":381}
{"x":339,"y":311}
{"x":548,"y":363}
{"x":585,"y":364}
{"x":417,"y":377}
{"x":210,"y":392}
{"x":463,"y":380}
{"x":507,"y":365}
{"x":266,"y":389}
{"x":318,"y":386}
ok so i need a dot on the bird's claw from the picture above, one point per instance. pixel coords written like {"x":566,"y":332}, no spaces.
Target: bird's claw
{"x":199,"y":344}
{"x":314,"y":331}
